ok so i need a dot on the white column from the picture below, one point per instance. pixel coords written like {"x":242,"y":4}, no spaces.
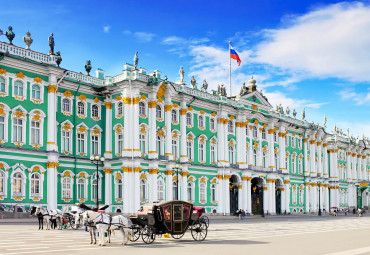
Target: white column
{"x":108,"y":185}
{"x":127,"y":131}
{"x":220,"y":202}
{"x":225,"y":149}
{"x":250,"y":148}
{"x":283,"y":199}
{"x":183,"y":154}
{"x":287,"y":195}
{"x":319,"y":163}
{"x":314,"y":197}
{"x":245,"y":196}
{"x":108,"y":130}
{"x":242,"y":143}
{"x":240,"y":197}
{"x":136,"y":176}
{"x":135,"y":127}
{"x":327,"y":206}
{"x":259,"y":154}
{"x":153,"y":187}
{"x":271,"y":154}
{"x":282,"y":150}
{"x":152,"y":152}
{"x":307,"y":195}
{"x":126,"y":189}
{"x":221,"y":141}
{"x":184,"y":183}
{"x":312,"y":158}
{"x":168,"y":121}
{"x":52,"y":177}
{"x":265,"y":199}
{"x":51,"y":118}
{"x":305,"y":159}
{"x":169,"y":178}
{"x":227,"y":193}
{"x":326,"y":161}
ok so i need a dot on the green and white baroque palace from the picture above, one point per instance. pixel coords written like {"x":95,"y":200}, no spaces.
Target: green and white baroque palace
{"x":235,"y":152}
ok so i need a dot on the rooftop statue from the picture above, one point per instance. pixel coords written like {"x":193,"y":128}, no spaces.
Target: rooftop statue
{"x":303,"y":115}
{"x":88,"y":67}
{"x":294,"y":113}
{"x":287,"y":111}
{"x":205,"y":86}
{"x":51,"y":44}
{"x":223,"y":90}
{"x":281,"y":109}
{"x":10,"y":35}
{"x":243,"y":90}
{"x":136,"y":60}
{"x":348,"y":132}
{"x":153,"y":79}
{"x":182,"y":73}
{"x":58,"y":58}
{"x":324,"y":124}
{"x":28,"y":40}
{"x":193,"y":82}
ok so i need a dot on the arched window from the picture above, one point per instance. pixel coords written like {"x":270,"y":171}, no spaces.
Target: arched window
{"x":212,"y":124}
{"x":264,"y":159}
{"x":2,"y":84}
{"x":36,"y":92}
{"x":254,"y":131}
{"x":95,"y":111}
{"x":66,"y":188}
{"x":143,"y":190}
{"x":230,"y":126}
{"x":120,"y":108}
{"x":142,"y":110}
{"x":2,"y":182}
{"x":35,"y":132}
{"x":158,"y":112}
{"x":190,"y":191}
{"x":17,"y":130}
{"x":255,"y":157}
{"x":299,"y":143}
{"x":201,"y":121}
{"x":18,"y":88}
{"x":66,"y":106}
{"x":81,"y":189}
{"x":231,"y":155}
{"x":17,"y":184}
{"x":81,"y":108}
{"x":264,"y":134}
{"x":175,"y":191}
{"x":160,"y":190}
{"x":213,"y":192}
{"x":275,"y":137}
{"x":202,"y":192}
{"x":174,"y":115}
{"x":119,"y":194}
{"x":35,"y":185}
{"x":189,"y":121}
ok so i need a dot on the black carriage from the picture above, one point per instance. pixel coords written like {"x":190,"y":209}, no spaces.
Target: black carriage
{"x":169,"y":218}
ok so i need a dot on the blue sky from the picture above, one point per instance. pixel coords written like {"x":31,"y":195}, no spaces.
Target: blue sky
{"x":303,"y":54}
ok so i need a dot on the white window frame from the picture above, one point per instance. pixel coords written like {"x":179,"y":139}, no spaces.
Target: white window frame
{"x":6,"y":86}
{"x":294,"y":194}
{"x":263,"y":134}
{"x":85,"y":184}
{"x":144,"y":194}
{"x":301,"y":195}
{"x":175,"y":148}
{"x":264,"y":159}
{"x":175,"y":190}
{"x":6,"y":110}
{"x":33,"y":129}
{"x":191,"y":156}
{"x":174,"y":116}
{"x":213,"y":193}
{"x":24,"y":94}
{"x":85,"y":109}
{"x":40,"y":120}
{"x":254,"y":132}
{"x":213,"y":147}
{"x":116,"y":142}
{"x":192,"y":193}
{"x":23,"y":184}
{"x":202,"y":185}
{"x":230,"y":127}
{"x":93,"y":188}
{"x":23,"y":140}
{"x":143,"y":138}
{"x":70,"y":102}
{"x":33,"y":194}
{"x":293,"y":142}
{"x":65,"y":190}
{"x":99,"y":112}
{"x":255,"y":157}
{"x":142,"y":109}
{"x":276,"y":139}
{"x":212,"y":120}
{"x":201,"y":122}
{"x":160,"y":192}
{"x":117,"y":184}
{"x":159,"y":112}
{"x":85,"y":140}
{"x":293,"y":162}
{"x":300,"y":165}
{"x":41,"y":90}
{"x":190,"y":118}
{"x":117,"y":113}
{"x":231,"y":154}
{"x":4,"y":181}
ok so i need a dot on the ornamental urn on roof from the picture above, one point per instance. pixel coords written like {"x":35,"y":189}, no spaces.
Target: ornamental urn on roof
{"x":58,"y":58}
{"x":88,"y":67}
{"x":28,"y":40}
{"x":10,"y":35}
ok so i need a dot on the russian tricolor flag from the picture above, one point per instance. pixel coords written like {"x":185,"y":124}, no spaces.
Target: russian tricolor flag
{"x":234,"y":55}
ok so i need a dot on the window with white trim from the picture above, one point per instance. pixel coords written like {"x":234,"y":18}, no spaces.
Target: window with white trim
{"x":174,"y":115}
{"x":18,"y":184}
{"x":143,"y":190}
{"x":175,"y":149}
{"x":300,"y":168}
{"x":66,"y":105}
{"x":2,"y":182}
{"x":81,"y":138}
{"x":294,"y":194}
{"x":160,"y":150}
{"x":95,"y":111}
{"x":36,"y":92}
{"x":142,"y":143}
{"x":286,"y":162}
{"x":300,"y":143}
{"x":120,"y":108}
{"x":293,"y":164}
{"x":189,"y":149}
{"x":142,"y":109}
{"x":2,"y":85}
{"x":212,"y":124}
{"x":275,"y":137}
{"x":66,"y":141}
{"x":66,"y":188}
{"x":35,"y":132}
{"x":264,"y":134}
{"x":160,"y":190}
{"x":190,"y":191}
{"x":119,"y":189}
{"x":254,"y":131}
{"x":201,"y":153}
{"x":2,"y":128}
{"x":264,"y":159}
{"x":17,"y":130}
{"x":293,"y":141}
{"x":175,"y":191}
{"x":95,"y":145}
{"x":202,"y":192}
{"x":81,"y":108}
{"x":158,"y":111}
{"x":301,"y":195}
{"x":255,"y":157}
{"x":231,"y":155}
{"x":230,"y":126}
{"x":246,"y":130}
{"x":213,"y":154}
{"x":81,"y":189}
{"x":35,"y":185}
{"x":94,"y":189}
{"x":201,"y":121}
{"x":277,"y":161}
{"x":18,"y":88}
{"x":189,"y":119}
{"x":286,"y":140}
{"x":213,"y":192}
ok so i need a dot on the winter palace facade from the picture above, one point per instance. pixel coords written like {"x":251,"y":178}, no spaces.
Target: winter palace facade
{"x":163,"y":140}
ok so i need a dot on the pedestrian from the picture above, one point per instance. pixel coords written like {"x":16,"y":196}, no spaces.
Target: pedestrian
{"x":243,"y":214}
{"x":239,"y":212}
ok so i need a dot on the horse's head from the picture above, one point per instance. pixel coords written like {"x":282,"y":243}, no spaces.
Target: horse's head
{"x":33,"y":210}
{"x":86,"y":218}
{"x":78,"y":217}
{"x":38,"y":210}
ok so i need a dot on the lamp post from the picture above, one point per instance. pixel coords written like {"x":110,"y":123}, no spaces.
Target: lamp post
{"x":319,"y":184}
{"x":97,"y":161}
{"x":177,"y":167}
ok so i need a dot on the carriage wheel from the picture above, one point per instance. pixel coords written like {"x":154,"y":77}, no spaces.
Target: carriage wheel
{"x":177,"y":236}
{"x":147,"y":235}
{"x":205,"y":220}
{"x":135,"y":234}
{"x":72,"y":224}
{"x":199,"y":230}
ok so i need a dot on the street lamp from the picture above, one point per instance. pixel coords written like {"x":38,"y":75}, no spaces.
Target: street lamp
{"x":97,"y":161}
{"x":177,"y":167}
{"x":319,"y":184}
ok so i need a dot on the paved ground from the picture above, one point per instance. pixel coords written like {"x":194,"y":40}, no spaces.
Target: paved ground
{"x":307,"y":235}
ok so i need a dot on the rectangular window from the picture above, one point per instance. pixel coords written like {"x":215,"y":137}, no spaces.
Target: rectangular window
{"x":95,"y":145}
{"x":189,"y":149}
{"x":174,"y":149}
{"x":35,"y":132}
{"x":201,"y":152}
{"x":2,"y":128}
{"x":142,"y":143}
{"x":2,"y":87}
{"x":81,"y":143}
{"x":213,"y":154}
{"x":66,"y":140}
{"x":17,"y":130}
{"x":120,"y":143}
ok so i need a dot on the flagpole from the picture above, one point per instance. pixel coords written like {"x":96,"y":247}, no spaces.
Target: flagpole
{"x":230,"y":67}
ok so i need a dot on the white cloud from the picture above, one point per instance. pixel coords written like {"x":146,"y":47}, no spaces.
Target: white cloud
{"x":181,"y":46}
{"x":359,"y":98}
{"x":144,"y":36}
{"x":127,"y":32}
{"x":330,"y":42}
{"x":106,"y":29}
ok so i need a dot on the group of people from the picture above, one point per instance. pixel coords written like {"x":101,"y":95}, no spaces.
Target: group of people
{"x":241,"y":214}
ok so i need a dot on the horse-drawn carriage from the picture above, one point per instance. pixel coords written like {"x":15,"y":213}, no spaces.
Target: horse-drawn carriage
{"x":172,"y":217}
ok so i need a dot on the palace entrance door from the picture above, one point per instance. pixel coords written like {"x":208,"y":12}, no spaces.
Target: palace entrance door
{"x":257,"y":196}
{"x":234,"y":193}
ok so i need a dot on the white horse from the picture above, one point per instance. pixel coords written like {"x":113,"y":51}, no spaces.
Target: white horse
{"x":49,"y":215}
{"x":105,"y":222}
{"x":91,"y":227}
